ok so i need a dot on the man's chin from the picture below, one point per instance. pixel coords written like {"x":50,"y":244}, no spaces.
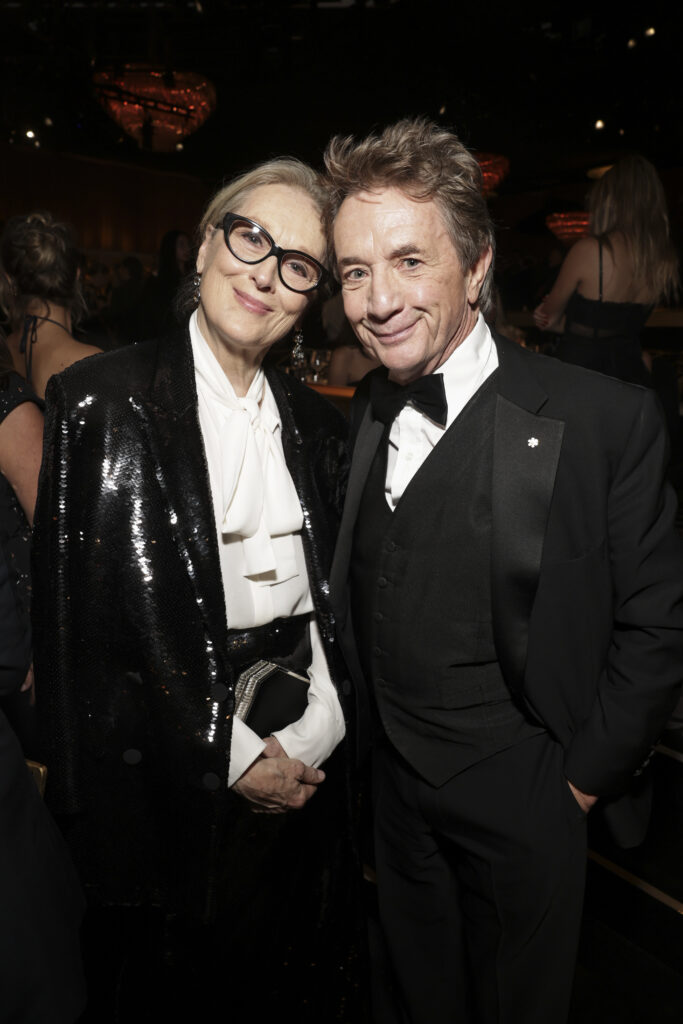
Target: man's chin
{"x":402,"y":365}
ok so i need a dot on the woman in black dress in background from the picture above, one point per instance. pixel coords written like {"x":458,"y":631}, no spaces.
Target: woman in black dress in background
{"x":40,"y":899}
{"x":610,"y":281}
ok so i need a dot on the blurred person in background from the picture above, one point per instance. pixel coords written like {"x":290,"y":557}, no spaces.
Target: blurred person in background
{"x":41,"y":977}
{"x":41,"y":295}
{"x":610,"y":282}
{"x":156,"y":309}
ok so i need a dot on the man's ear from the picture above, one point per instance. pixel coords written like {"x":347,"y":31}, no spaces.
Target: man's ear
{"x":477,"y":275}
{"x":201,"y":255}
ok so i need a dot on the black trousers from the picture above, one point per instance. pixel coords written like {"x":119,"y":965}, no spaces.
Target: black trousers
{"x":480,"y":887}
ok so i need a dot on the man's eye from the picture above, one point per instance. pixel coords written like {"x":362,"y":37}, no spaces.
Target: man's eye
{"x":355,"y":274}
{"x":411,"y":261}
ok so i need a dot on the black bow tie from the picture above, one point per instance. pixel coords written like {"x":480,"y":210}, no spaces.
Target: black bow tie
{"x":426,"y":393}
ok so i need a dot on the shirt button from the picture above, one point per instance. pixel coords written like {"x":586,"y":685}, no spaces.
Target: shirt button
{"x":211,"y":781}
{"x":382,"y":581}
{"x":381,"y":682}
{"x":377,"y":651}
{"x":391,"y":545}
{"x":378,"y":617}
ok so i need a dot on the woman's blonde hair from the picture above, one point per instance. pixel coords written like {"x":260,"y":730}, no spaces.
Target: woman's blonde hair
{"x":286,"y":170}
{"x":629,"y":198}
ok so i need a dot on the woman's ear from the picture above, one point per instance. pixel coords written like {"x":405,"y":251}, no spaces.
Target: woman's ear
{"x":203,"y":248}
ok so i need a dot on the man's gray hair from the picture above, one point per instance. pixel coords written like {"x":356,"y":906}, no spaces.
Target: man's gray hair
{"x":425,"y":162}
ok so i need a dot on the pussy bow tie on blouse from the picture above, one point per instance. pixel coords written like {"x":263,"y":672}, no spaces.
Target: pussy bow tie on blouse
{"x":259,"y":499}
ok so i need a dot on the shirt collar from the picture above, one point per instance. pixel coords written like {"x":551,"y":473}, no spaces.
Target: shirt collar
{"x":470,"y":359}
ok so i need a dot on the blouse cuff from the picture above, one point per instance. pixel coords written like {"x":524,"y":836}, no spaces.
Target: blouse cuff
{"x":321,"y":728}
{"x":245,"y":747}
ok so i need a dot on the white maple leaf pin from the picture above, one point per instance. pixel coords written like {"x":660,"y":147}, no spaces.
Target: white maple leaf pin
{"x":533,"y":442}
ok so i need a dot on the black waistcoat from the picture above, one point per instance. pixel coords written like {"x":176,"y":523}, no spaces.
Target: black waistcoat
{"x":421,"y":599}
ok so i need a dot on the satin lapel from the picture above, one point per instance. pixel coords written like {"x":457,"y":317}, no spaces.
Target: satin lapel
{"x":369,"y":436}
{"x":169,"y":419}
{"x":525,"y":457}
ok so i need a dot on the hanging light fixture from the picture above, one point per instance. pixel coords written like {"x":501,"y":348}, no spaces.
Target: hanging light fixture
{"x":156,"y":107}
{"x":568,"y":227}
{"x":494,"y":169}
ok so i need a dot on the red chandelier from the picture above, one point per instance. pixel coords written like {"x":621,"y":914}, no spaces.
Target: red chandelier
{"x":568,"y":227}
{"x":494,"y":168}
{"x":157,"y":108}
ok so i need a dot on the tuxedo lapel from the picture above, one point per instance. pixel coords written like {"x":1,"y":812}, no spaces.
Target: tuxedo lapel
{"x":369,"y":435}
{"x":169,"y":419}
{"x":525,"y":458}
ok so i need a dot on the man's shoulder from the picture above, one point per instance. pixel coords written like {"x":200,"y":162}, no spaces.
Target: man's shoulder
{"x":570,"y":388}
{"x":122,"y":369}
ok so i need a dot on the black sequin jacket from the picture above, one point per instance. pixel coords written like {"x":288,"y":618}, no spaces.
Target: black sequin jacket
{"x":129,"y":614}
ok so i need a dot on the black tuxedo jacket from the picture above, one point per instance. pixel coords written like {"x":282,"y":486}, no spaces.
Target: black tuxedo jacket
{"x":130,"y":627}
{"x":587,"y":571}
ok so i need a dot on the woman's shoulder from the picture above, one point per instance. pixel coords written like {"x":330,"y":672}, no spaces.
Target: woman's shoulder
{"x":111,"y":371}
{"x":14,"y":391}
{"x":585,"y":250}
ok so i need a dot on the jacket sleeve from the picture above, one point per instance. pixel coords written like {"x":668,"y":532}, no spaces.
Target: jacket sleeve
{"x":15,"y":637}
{"x":54,"y":524}
{"x":643,"y":669}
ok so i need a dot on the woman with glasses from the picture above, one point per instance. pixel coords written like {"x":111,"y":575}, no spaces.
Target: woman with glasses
{"x":185,"y":663}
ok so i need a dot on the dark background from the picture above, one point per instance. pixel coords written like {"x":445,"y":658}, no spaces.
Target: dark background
{"x":526,"y":80}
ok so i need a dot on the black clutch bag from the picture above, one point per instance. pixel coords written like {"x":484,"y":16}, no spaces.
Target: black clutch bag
{"x":269,"y":697}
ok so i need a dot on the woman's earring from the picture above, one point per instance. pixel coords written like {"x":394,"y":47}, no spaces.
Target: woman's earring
{"x":298,"y":355}
{"x":196,"y":283}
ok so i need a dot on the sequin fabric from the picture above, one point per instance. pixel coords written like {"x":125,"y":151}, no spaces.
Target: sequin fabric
{"x":133,"y":669}
{"x":15,"y":532}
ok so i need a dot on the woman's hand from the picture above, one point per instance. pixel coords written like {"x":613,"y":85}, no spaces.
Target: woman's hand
{"x":273,"y":748}
{"x":278,"y":784}
{"x":30,"y":686}
{"x":584,"y":800}
{"x":541,"y":318}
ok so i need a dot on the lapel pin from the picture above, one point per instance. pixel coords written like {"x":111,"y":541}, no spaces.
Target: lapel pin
{"x":533,"y":442}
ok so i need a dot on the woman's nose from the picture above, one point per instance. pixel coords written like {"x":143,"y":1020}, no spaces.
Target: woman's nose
{"x":265,"y":272}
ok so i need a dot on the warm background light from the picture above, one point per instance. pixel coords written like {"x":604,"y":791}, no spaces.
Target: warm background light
{"x":157,"y":108}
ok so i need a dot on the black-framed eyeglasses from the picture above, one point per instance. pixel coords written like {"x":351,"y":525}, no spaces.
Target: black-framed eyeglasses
{"x":251,"y":243}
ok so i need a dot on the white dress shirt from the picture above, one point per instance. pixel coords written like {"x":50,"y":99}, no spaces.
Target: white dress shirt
{"x":258,"y":522}
{"x":413,"y":434}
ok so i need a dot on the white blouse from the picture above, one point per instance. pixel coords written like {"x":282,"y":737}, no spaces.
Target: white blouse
{"x":258,"y":522}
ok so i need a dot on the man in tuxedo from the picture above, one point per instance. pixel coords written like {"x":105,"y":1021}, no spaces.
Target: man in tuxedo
{"x":508,"y":588}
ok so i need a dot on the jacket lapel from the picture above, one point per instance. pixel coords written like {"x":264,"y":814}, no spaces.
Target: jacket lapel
{"x":525,"y":458}
{"x":369,"y":435}
{"x":168,"y":415}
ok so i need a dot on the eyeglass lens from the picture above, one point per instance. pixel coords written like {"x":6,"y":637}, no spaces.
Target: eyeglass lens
{"x":250,"y":243}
